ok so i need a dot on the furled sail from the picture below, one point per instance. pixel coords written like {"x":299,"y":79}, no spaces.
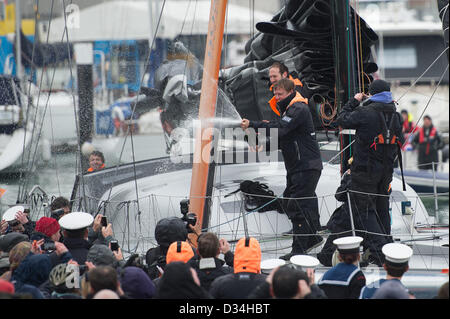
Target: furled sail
{"x":300,"y":36}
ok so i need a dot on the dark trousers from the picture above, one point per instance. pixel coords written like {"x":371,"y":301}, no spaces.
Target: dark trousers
{"x":371,"y":212}
{"x":304,"y":213}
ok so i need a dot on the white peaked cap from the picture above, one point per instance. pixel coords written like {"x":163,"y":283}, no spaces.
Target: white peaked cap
{"x":270,"y":264}
{"x":305,"y":261}
{"x":348,"y":243}
{"x":10,"y":213}
{"x":76,"y":220}
{"x":397,"y":253}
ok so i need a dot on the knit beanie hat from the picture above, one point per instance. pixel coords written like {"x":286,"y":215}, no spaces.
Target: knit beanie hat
{"x":48,"y":226}
{"x":379,"y":86}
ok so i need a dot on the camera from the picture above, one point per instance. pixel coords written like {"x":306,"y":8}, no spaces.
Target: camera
{"x":104,"y":222}
{"x":188,"y":218}
{"x":57,"y":213}
{"x":13,"y":223}
{"x":49,"y":247}
{"x":114,"y":245}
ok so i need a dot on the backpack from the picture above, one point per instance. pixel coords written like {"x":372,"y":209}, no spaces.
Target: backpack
{"x":387,"y":141}
{"x":256,"y":195}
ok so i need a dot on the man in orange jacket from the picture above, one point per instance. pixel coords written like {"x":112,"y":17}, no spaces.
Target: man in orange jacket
{"x":278,"y":71}
{"x":96,"y":161}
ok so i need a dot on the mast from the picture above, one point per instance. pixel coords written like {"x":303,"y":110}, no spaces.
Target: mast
{"x":345,"y":70}
{"x":208,"y":98}
{"x":85,"y":58}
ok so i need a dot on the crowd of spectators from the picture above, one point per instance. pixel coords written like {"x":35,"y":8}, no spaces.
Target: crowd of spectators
{"x":72,"y":256}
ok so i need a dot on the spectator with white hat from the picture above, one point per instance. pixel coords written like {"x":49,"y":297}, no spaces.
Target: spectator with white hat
{"x":345,"y":280}
{"x":15,"y":219}
{"x":75,"y":230}
{"x":396,"y":264}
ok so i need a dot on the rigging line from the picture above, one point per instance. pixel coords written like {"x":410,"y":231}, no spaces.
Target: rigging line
{"x":361,"y":49}
{"x":28,"y":164}
{"x":66,"y":32}
{"x":135,"y":103}
{"x":47,"y":102}
{"x":185,"y":17}
{"x":48,"y":97}
{"x":341,"y":152}
{"x":431,"y":97}
{"x":417,"y":80}
{"x":253,"y":16}
{"x":29,"y":100}
{"x":190,"y":56}
{"x":357,"y":44}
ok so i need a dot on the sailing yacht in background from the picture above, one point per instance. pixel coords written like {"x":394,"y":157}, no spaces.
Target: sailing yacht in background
{"x":21,"y":147}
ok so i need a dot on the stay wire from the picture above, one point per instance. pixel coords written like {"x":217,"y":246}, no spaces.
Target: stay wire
{"x":134,"y":108}
{"x":424,"y":72}
{"x":431,"y":97}
{"x":29,"y":161}
{"x":41,"y":124}
{"x":77,"y":124}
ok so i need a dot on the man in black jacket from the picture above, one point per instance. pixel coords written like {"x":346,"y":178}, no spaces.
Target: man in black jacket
{"x":207,"y":264}
{"x":297,"y":140}
{"x":167,"y":231}
{"x":378,"y":138}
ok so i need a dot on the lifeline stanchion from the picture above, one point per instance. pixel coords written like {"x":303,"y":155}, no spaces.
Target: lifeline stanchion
{"x":351,"y":213}
{"x":436,"y":208}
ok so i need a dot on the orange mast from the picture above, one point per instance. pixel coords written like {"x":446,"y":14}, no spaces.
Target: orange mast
{"x":203,"y":136}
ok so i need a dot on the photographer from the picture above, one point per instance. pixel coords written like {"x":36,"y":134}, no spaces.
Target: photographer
{"x":167,"y":231}
{"x":59,"y":207}
{"x":100,"y":232}
{"x":207,"y":264}
{"x":15,"y":219}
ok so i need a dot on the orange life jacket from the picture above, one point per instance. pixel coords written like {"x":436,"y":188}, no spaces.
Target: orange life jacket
{"x":297,"y":98}
{"x":273,"y":101}
{"x":90,"y":169}
{"x":422,"y":137}
{"x":247,"y":256}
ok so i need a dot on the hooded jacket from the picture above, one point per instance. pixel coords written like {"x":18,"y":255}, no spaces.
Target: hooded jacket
{"x":246,"y":277}
{"x":136,"y":284}
{"x":178,"y":283}
{"x":296,"y":134}
{"x":32,"y":272}
{"x":365,"y":118}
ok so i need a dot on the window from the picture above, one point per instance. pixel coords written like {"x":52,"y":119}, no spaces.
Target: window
{"x":398,"y":57}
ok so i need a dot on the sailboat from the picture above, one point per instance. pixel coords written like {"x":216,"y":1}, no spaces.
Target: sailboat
{"x":21,"y":147}
{"x":135,"y":196}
